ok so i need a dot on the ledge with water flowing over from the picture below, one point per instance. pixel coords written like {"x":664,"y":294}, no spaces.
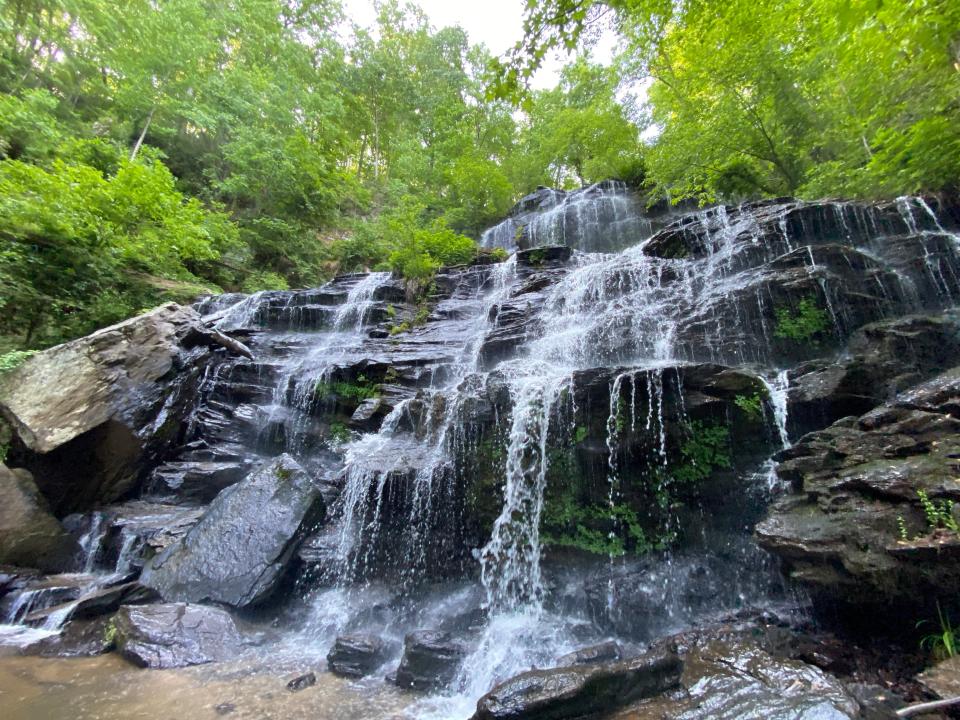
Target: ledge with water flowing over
{"x":557,"y":460}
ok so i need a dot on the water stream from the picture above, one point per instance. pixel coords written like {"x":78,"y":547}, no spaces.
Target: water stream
{"x":598,"y":367}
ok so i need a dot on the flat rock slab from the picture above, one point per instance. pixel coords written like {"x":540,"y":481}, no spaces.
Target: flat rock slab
{"x":175,"y":635}
{"x":580,"y":691}
{"x":609,"y":651}
{"x":243,"y":544}
{"x":739,"y":681}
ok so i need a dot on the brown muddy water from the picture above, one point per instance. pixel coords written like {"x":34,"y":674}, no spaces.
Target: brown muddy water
{"x":110,"y":688}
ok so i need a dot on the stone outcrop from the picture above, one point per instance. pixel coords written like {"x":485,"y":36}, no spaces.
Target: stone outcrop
{"x":239,"y":550}
{"x":93,"y":414}
{"x":881,"y":360}
{"x":430,"y":660}
{"x":174,"y":635}
{"x":29,"y":535}
{"x":740,"y":681}
{"x":580,"y":691}
{"x":357,"y":655}
{"x":854,"y":529}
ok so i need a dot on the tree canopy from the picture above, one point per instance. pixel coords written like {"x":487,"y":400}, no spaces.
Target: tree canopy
{"x":856,"y":98}
{"x":163,"y":149}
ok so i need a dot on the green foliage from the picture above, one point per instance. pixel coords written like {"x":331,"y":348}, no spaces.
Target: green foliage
{"x":750,"y":405}
{"x":768,"y":98}
{"x":264,"y":280}
{"x":14,"y":359}
{"x":110,"y":633}
{"x":567,"y":523}
{"x":805,"y":323}
{"x":902,"y":533}
{"x":941,"y":644}
{"x":580,"y":434}
{"x":79,"y":243}
{"x":706,"y":449}
{"x":358,"y":391}
{"x":938,"y":516}
{"x":339,"y":433}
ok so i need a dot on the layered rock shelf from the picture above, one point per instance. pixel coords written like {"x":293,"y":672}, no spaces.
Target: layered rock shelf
{"x":511,"y":488}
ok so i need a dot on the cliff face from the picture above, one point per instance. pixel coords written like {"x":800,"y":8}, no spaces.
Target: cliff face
{"x":572,"y":430}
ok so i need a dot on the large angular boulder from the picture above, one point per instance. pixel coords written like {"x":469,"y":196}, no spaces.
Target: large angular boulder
{"x":29,"y":535}
{"x":243,"y":544}
{"x":854,"y":529}
{"x":580,"y":691}
{"x":174,"y":635}
{"x":90,"y":414}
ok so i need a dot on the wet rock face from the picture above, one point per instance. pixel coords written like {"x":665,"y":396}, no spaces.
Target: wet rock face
{"x":175,"y":635}
{"x":93,"y":414}
{"x":739,"y":681}
{"x":854,"y":483}
{"x":604,"y":217}
{"x":580,"y":692}
{"x":357,"y":655}
{"x":881,"y":360}
{"x":604,"y":652}
{"x":29,"y":535}
{"x":239,"y":550}
{"x":430,"y":660}
{"x":78,"y":638}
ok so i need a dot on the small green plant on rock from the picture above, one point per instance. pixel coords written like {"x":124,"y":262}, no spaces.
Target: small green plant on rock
{"x":567,"y":523}
{"x":360,"y":390}
{"x":942,"y":644}
{"x":938,"y":516}
{"x":750,"y":405}
{"x":339,"y":433}
{"x":14,"y":359}
{"x":805,"y":323}
{"x":706,"y":449}
{"x":537,"y":257}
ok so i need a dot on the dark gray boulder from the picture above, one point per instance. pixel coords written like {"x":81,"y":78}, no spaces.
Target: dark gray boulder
{"x":302,"y":682}
{"x":92,"y":416}
{"x":357,"y":655}
{"x":580,"y":691}
{"x":175,"y":635}
{"x":855,"y":485}
{"x":29,"y":535}
{"x":242,"y":546}
{"x":78,"y":638}
{"x":430,"y":660}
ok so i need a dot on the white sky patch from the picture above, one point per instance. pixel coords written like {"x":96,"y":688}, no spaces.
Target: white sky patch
{"x":498,"y":24}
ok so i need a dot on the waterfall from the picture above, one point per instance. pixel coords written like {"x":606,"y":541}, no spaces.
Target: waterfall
{"x":510,"y":561}
{"x":604,"y":217}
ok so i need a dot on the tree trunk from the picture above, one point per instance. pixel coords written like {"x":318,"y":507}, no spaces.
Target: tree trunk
{"x":143,"y":134}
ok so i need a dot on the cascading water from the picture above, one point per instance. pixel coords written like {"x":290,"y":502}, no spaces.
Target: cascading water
{"x":586,"y":400}
{"x":601,"y":218}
